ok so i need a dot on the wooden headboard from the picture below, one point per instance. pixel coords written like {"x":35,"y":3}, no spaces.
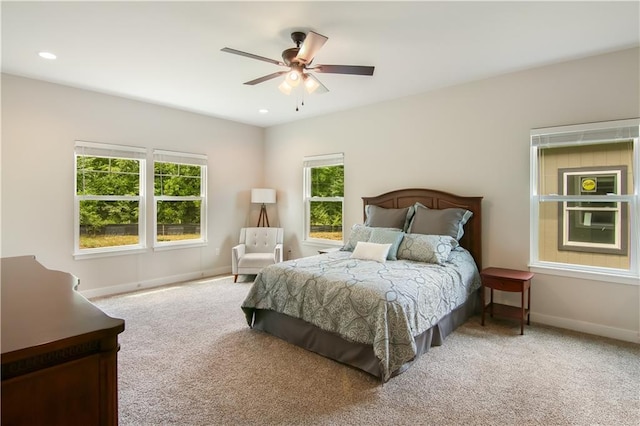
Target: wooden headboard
{"x":433,"y":199}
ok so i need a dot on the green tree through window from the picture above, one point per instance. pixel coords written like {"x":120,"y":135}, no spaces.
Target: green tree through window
{"x":109,"y":197}
{"x":180,"y":193}
{"x":324,"y":195}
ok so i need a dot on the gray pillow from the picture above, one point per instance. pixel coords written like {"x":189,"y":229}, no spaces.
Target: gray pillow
{"x":379,"y":217}
{"x":387,"y":236}
{"x":439,"y":222}
{"x":426,"y":248}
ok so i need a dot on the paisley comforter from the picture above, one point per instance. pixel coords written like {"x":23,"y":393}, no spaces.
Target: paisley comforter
{"x":381,"y":304}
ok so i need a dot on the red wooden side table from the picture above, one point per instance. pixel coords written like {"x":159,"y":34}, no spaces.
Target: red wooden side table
{"x":507,"y":280}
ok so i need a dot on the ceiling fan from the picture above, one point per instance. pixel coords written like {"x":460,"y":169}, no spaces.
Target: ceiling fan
{"x":298,"y":59}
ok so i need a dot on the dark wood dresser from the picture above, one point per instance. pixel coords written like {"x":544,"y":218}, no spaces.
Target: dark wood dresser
{"x":59,"y":351}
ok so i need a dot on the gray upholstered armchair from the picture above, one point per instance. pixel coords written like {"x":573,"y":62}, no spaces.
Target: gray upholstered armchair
{"x":258,"y":247}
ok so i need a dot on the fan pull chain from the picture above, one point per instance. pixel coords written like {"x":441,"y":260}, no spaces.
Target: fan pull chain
{"x":297,"y":103}
{"x":301,"y":103}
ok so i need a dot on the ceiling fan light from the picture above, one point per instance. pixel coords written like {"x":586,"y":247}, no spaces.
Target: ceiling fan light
{"x":293,"y":78}
{"x":310,"y":84}
{"x":285,"y":87}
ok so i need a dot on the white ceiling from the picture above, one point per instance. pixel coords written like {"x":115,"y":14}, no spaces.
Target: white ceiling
{"x":168,"y":53}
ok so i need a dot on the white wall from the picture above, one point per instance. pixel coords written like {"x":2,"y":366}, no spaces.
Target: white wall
{"x":41,"y":121}
{"x":472,"y":140}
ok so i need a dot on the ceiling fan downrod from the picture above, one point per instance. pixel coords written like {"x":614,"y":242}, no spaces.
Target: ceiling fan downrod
{"x":298,"y":37}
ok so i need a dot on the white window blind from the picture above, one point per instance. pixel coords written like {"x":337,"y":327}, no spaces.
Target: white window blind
{"x":324,"y":160}
{"x":585,"y":134}
{"x":179,"y":158}
{"x":95,"y":149}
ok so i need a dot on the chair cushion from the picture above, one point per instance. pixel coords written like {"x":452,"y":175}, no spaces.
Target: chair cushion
{"x":256,"y":260}
{"x":260,"y":240}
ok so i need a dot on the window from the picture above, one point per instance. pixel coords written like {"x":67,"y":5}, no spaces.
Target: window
{"x":180,"y":188}
{"x":584,"y":198}
{"x":109,"y":198}
{"x":593,"y":226}
{"x":324,"y":198}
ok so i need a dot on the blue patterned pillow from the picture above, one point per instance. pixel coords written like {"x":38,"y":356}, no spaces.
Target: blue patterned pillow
{"x":387,"y":236}
{"x":361,"y":232}
{"x":426,"y":248}
{"x":358,"y":233}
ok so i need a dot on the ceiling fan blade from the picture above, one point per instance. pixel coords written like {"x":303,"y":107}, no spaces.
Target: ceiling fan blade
{"x":265,"y":78}
{"x":344,"y":69}
{"x":312,"y":43}
{"x":252,"y":56}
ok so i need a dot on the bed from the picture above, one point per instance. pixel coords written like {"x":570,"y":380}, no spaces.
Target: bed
{"x":378,"y":316}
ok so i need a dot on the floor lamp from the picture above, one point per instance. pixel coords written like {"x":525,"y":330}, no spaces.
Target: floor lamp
{"x":263,"y":196}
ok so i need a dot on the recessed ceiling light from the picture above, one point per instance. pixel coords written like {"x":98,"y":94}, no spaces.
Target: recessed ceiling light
{"x":263,"y":110}
{"x":47,"y":55}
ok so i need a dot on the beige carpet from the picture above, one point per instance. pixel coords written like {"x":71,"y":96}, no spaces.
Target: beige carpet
{"x":188,"y":358}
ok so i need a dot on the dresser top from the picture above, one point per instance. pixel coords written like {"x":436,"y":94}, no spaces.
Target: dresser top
{"x":40,"y":307}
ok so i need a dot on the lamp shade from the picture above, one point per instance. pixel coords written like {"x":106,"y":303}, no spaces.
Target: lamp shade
{"x":263,"y":196}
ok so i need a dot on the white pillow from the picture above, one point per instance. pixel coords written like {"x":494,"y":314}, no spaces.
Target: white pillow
{"x":371,"y":251}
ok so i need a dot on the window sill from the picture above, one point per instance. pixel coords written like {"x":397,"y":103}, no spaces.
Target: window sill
{"x":174,"y":246}
{"x":109,"y":253}
{"x":323,"y":243}
{"x":613,"y":276}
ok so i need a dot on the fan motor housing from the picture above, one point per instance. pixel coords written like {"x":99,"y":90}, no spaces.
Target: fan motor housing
{"x":289,"y":55}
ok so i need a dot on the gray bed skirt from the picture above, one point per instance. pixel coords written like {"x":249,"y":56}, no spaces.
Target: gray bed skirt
{"x":359,"y":355}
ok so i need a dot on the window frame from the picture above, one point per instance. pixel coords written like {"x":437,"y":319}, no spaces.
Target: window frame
{"x":188,"y":159}
{"x":94,"y":149}
{"x":310,"y":162}
{"x":578,"y":135}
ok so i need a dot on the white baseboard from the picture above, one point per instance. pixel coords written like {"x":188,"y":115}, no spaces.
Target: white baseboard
{"x":156,"y":282}
{"x":587,"y":327}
